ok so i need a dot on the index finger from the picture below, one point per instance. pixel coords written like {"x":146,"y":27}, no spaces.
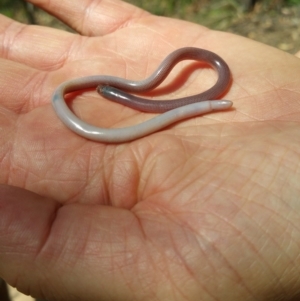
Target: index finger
{"x":92,"y":18}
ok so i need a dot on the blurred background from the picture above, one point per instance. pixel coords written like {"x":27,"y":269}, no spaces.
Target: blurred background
{"x":273,"y":22}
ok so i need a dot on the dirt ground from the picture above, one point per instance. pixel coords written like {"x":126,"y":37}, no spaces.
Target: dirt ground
{"x":279,"y":28}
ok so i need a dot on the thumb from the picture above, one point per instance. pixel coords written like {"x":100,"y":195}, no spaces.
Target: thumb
{"x":46,"y":248}
{"x":25,"y":218}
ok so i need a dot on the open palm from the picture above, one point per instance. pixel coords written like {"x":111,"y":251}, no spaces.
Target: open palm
{"x":207,"y":209}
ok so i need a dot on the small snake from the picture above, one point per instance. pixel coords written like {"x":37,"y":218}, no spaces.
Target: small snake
{"x":173,"y":110}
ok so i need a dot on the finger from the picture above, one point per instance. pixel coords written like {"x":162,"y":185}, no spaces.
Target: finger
{"x":92,"y":18}
{"x":43,"y":244}
{"x":38,"y":47}
{"x":49,"y":49}
{"x":46,"y":48}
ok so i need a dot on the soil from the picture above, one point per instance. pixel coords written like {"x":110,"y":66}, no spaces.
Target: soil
{"x":279,"y":28}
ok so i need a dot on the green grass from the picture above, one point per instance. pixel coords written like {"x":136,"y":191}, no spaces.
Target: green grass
{"x":293,"y":2}
{"x":187,"y":9}
{"x":165,"y":7}
{"x":7,"y":6}
{"x":14,"y":9}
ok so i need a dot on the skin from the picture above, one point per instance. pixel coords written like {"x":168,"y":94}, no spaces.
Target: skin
{"x":205,"y":210}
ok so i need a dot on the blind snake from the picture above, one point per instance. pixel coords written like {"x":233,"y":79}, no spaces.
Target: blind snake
{"x":173,"y":110}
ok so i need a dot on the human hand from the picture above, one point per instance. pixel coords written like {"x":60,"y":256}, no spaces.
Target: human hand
{"x":207,"y":209}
